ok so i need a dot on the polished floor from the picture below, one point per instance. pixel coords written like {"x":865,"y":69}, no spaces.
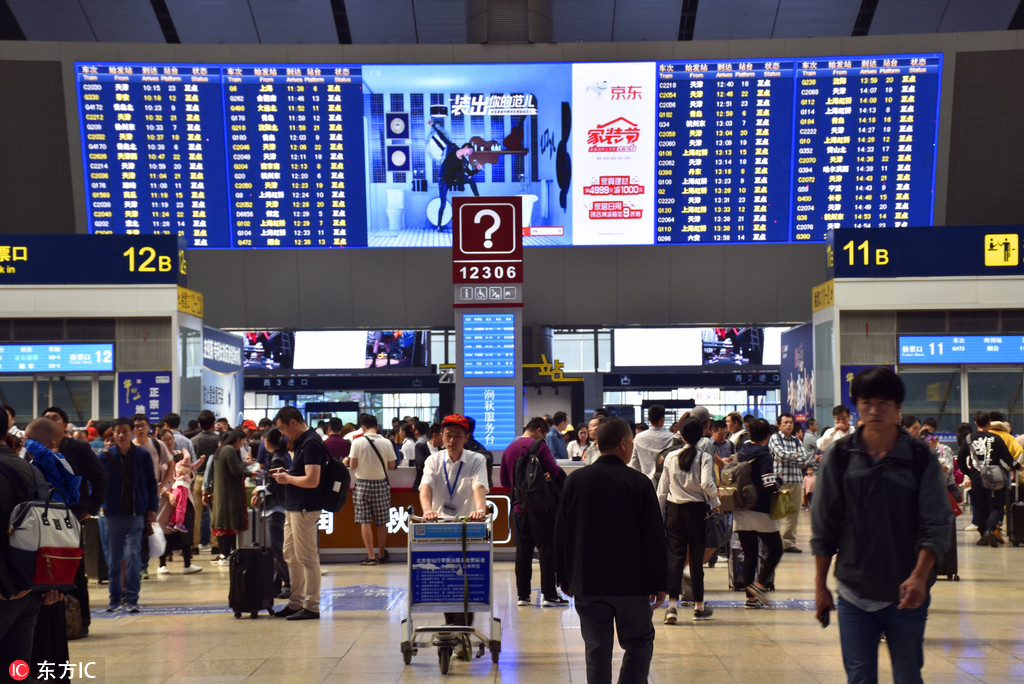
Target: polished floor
{"x":185,"y":633}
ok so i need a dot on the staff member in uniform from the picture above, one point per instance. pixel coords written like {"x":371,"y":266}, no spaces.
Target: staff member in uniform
{"x":454,"y":484}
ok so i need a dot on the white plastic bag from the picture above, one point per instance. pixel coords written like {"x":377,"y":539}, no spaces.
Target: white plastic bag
{"x":157,"y":541}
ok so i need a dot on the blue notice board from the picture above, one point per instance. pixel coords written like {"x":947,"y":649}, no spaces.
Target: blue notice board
{"x":494,"y":409}
{"x":57,"y":358}
{"x":437,"y":576}
{"x":488,"y":345}
{"x":962,"y":349}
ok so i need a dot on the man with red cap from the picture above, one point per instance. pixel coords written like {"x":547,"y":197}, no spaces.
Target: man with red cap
{"x":454,"y":484}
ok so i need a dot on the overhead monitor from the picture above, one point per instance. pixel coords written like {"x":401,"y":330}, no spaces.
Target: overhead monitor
{"x":56,"y":358}
{"x":956,"y":349}
{"x":617,"y":153}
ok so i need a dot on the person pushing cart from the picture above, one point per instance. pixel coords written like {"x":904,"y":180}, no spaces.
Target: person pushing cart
{"x":454,"y":486}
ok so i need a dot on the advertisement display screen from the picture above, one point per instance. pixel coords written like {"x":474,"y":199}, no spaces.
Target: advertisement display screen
{"x":335,"y":349}
{"x":673,"y":347}
{"x":615,"y":153}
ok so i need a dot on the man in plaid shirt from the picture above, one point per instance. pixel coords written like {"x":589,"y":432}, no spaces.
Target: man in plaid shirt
{"x":790,"y":461}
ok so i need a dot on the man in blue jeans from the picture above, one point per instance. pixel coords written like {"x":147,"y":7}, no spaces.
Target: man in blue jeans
{"x":880,"y":502}
{"x":131,"y":502}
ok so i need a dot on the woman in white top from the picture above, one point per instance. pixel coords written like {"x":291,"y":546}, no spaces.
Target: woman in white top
{"x":685,"y":491}
{"x":578,"y":446}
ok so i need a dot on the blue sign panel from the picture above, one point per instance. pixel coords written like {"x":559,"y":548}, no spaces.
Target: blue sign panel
{"x":223,"y":378}
{"x":962,"y":349}
{"x":145,"y":392}
{"x":488,"y":345}
{"x":440,"y":576}
{"x":56,"y":358}
{"x":927,"y":251}
{"x":494,"y":409}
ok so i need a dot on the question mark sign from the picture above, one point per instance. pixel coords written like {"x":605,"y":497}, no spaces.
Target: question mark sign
{"x":494,"y":226}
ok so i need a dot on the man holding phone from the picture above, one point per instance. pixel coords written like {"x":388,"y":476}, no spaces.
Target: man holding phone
{"x":880,"y":503}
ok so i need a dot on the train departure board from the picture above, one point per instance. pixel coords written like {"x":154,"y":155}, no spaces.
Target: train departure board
{"x":243,"y":156}
{"x":786,"y":150}
{"x":225,"y":155}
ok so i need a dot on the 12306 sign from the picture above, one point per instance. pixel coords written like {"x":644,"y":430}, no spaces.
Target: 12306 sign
{"x":487,"y":240}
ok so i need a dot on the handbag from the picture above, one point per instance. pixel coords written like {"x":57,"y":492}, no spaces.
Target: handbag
{"x":782,"y":503}
{"x":717,"y":530}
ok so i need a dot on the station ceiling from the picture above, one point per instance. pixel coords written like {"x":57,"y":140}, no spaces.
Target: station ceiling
{"x":445,"y":21}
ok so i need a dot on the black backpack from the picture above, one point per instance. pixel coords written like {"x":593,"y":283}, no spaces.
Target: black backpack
{"x":532,"y":488}
{"x":335,"y":481}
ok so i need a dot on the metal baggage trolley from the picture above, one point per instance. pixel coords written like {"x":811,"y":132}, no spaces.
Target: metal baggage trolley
{"x":450,"y":570}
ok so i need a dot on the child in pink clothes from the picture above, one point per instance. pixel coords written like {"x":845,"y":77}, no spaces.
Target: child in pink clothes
{"x":179,"y":492}
{"x":809,"y":479}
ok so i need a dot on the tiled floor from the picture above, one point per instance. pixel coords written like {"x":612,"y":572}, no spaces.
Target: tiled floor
{"x":975,"y":632}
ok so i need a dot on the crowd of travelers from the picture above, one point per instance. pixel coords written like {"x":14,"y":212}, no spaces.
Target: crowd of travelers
{"x":670,"y":499}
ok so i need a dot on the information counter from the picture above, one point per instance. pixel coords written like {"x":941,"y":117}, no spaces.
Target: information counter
{"x":340,"y":538}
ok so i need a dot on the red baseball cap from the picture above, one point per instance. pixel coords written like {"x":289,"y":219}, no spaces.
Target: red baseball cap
{"x":249,"y":425}
{"x":456,"y":419}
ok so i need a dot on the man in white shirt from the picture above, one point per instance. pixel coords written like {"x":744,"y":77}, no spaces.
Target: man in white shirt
{"x":370,"y":459}
{"x":842,"y":428}
{"x":454,"y":484}
{"x":649,"y":444}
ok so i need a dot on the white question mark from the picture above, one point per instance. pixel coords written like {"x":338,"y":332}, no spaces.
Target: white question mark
{"x":494,"y":227}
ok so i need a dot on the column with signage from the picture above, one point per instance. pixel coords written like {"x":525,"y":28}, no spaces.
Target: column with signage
{"x":487,"y":273}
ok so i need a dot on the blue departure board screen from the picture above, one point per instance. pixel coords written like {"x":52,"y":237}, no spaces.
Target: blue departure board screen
{"x":488,"y":345}
{"x":786,"y":150}
{"x":961,"y":349}
{"x":57,"y":358}
{"x":671,"y":152}
{"x":225,"y":155}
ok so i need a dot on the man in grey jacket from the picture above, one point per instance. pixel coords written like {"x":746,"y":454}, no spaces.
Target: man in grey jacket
{"x":880,"y":503}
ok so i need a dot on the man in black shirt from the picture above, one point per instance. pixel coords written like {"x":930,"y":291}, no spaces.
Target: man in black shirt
{"x":302,"y":508}
{"x":986,"y":449}
{"x":206,"y":444}
{"x":608,"y":505}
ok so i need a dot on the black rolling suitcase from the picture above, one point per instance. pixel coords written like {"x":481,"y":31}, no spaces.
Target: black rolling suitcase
{"x":251,"y":576}
{"x":949,"y":566}
{"x":1015,"y":515}
{"x":94,"y":559}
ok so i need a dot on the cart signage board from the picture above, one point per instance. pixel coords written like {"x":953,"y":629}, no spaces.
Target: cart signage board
{"x":439,"y":576}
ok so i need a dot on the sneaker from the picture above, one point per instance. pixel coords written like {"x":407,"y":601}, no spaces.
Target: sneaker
{"x":204,"y":547}
{"x":192,"y":569}
{"x":523,"y":601}
{"x":699,"y":615}
{"x":556,"y":601}
{"x":793,"y":549}
{"x":286,"y":593}
{"x":113,"y":607}
{"x":671,"y":616}
{"x":180,"y":528}
{"x":133,"y":608}
{"x":368,"y":561}
{"x":753,"y":603}
{"x":222,"y":561}
{"x":758,"y":593}
{"x":144,"y":574}
{"x":286,"y":612}
{"x":991,"y":539}
{"x":163,"y":570}
{"x":303,"y":614}
{"x":683,"y":603}
{"x":971,"y":528}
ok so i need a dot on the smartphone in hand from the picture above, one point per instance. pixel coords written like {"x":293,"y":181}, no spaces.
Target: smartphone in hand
{"x":824,"y":619}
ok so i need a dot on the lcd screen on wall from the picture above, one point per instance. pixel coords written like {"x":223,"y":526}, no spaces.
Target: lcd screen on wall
{"x":625,"y":153}
{"x":335,"y":349}
{"x":640,"y":347}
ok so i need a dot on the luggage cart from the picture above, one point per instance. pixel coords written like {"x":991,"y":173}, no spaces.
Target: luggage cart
{"x":450,"y":570}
